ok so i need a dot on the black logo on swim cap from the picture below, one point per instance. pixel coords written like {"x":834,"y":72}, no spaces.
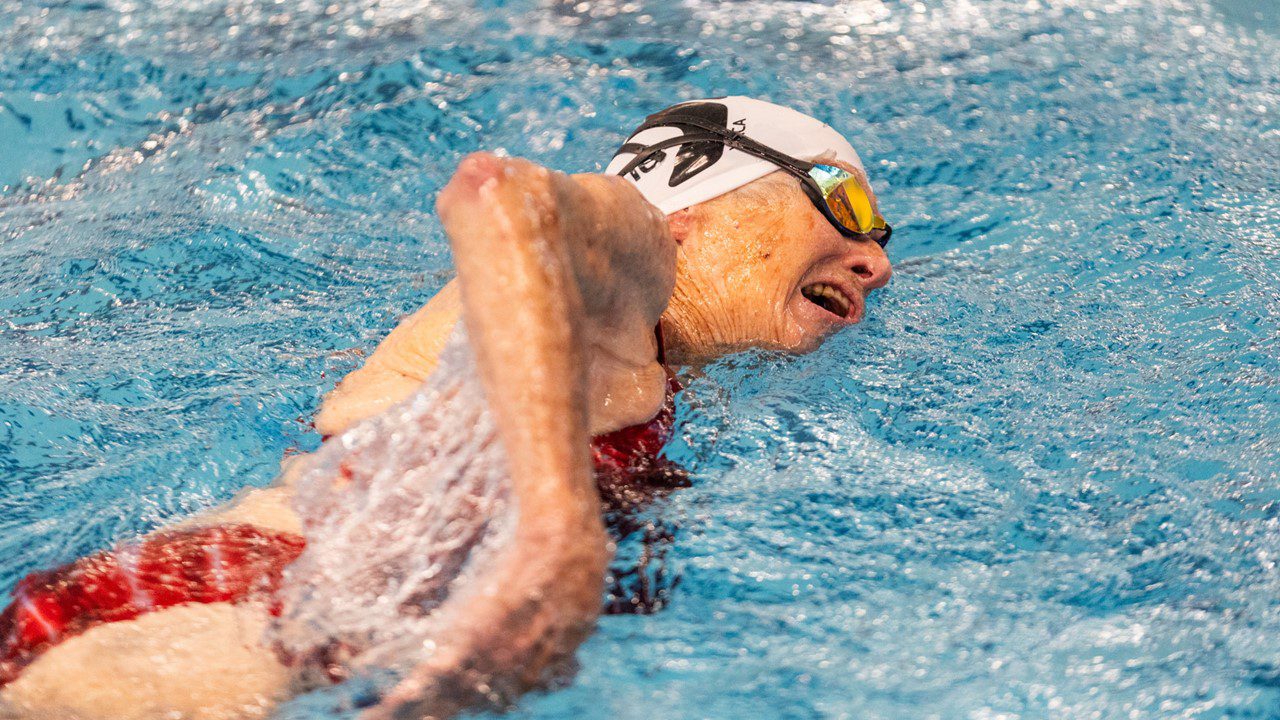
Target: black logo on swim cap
{"x":694,"y":157}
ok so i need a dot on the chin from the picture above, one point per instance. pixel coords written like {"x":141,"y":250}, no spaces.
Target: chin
{"x":807,"y":342}
{"x":811,"y":326}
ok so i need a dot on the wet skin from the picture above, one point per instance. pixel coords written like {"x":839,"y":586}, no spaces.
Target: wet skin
{"x":749,"y":261}
{"x":561,"y":280}
{"x":744,"y":261}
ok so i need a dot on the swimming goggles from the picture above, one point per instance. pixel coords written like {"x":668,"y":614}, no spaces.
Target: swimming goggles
{"x":834,"y":191}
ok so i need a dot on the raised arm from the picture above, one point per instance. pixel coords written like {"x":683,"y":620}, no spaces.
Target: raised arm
{"x":539,"y":289}
{"x":624,"y":262}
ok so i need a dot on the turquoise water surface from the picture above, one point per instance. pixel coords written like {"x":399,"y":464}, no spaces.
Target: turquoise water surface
{"x":1042,"y":479}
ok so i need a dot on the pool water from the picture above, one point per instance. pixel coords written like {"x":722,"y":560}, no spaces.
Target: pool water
{"x":1042,"y":479}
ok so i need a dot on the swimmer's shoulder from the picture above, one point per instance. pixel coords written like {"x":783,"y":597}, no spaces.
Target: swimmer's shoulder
{"x":399,"y":364}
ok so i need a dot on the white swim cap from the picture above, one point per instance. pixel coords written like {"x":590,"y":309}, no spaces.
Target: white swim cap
{"x":704,"y":167}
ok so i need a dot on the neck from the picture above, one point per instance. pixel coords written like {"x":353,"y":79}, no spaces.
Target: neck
{"x":684,"y":342}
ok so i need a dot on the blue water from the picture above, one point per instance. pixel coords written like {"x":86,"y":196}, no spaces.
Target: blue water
{"x":1041,"y":480}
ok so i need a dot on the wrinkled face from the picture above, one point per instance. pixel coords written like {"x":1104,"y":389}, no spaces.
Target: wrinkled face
{"x":762,"y":267}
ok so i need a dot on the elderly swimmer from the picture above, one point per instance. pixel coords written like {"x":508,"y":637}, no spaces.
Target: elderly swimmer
{"x":720,"y":225}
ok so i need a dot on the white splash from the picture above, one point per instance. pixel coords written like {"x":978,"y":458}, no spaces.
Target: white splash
{"x":396,"y":511}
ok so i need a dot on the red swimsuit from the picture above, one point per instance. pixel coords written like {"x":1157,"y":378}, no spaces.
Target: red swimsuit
{"x":226,"y":563}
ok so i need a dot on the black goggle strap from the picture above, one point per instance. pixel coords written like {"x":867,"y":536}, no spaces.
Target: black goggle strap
{"x":713,"y":132}
{"x":734,"y":139}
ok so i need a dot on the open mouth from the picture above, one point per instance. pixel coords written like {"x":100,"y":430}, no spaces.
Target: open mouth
{"x":829,"y":298}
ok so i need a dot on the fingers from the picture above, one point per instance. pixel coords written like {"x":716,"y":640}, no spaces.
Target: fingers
{"x":485,"y":177}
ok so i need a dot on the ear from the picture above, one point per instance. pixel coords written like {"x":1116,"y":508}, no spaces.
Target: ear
{"x":681,"y":224}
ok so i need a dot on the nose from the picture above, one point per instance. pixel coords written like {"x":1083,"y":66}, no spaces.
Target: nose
{"x":871,"y":265}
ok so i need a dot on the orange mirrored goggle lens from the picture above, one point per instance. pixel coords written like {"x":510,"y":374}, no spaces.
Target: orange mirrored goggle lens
{"x":846,"y":199}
